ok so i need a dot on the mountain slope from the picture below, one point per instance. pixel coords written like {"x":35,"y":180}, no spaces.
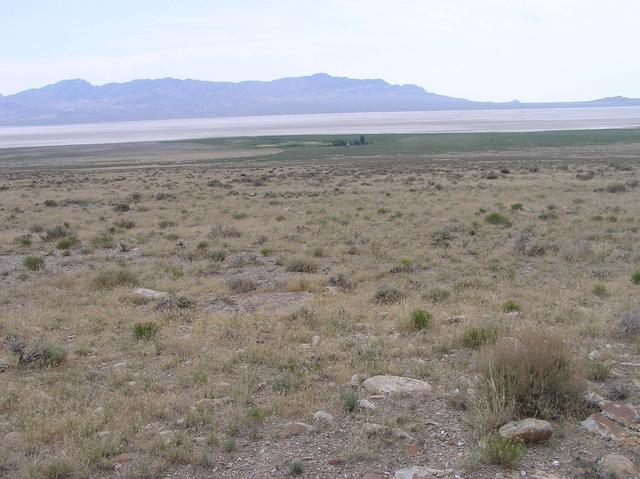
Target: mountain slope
{"x":74,"y":101}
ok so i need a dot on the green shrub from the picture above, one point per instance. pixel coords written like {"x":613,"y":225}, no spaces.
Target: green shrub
{"x":218,"y":256}
{"x":441,"y":238}
{"x":24,"y":241}
{"x":403,"y":266}
{"x":43,"y":354}
{"x":516,"y":206}
{"x":503,"y":451}
{"x":145,"y":330}
{"x":66,"y":243}
{"x":241,"y":285}
{"x":510,"y":306}
{"x":498,"y":219}
{"x":616,"y":188}
{"x":438,"y":295}
{"x":56,"y":232}
{"x":600,"y":290}
{"x":34,"y":263}
{"x":57,"y":469}
{"x":296,"y":467}
{"x":599,"y":371}
{"x":102,"y":240}
{"x":421,"y":319}
{"x":388,"y":295}
{"x":349,"y":399}
{"x":301,"y":265}
{"x":635,"y":277}
{"x":476,"y":336}
{"x":266,"y":251}
{"x":114,"y":278}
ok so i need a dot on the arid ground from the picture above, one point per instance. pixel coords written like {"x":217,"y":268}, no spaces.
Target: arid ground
{"x":280,"y":274}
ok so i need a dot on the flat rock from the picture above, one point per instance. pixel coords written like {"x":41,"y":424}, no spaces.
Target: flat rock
{"x":396,"y":384}
{"x":623,"y":414}
{"x":295,"y":428}
{"x":603,"y":426}
{"x":529,"y":431}
{"x":419,"y":472}
{"x":150,"y":293}
{"x":323,"y":416}
{"x":616,"y":466}
{"x":366,"y":404}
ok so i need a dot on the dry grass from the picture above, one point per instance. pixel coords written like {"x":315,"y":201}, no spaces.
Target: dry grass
{"x":354,"y":247}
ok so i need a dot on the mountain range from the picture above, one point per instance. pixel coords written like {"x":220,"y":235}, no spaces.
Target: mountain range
{"x":78,"y":101}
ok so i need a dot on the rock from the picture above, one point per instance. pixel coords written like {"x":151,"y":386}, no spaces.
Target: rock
{"x":323,"y":416}
{"x":623,"y":414}
{"x":357,"y":379}
{"x":538,"y":474}
{"x":149,"y":293}
{"x":603,"y":426}
{"x":411,"y":449}
{"x":419,"y":472}
{"x":529,"y":431}
{"x":595,"y":355}
{"x":365,"y":404}
{"x":616,"y":466}
{"x":594,"y":399}
{"x":396,"y":384}
{"x":456,"y":319}
{"x":315,"y":341}
{"x":296,"y":428}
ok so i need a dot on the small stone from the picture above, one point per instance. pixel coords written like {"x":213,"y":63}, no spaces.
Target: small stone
{"x":396,"y":384}
{"x":296,"y":428}
{"x":149,"y":293}
{"x":411,"y":449}
{"x":616,"y":466}
{"x":365,"y":404}
{"x":459,"y":318}
{"x":594,"y":399}
{"x":323,"y":416}
{"x":315,"y":341}
{"x":528,"y":430}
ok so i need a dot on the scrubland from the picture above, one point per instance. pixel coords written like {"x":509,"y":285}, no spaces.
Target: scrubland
{"x":507,"y":279}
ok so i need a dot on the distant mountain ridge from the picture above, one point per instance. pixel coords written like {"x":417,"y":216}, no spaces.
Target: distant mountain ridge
{"x":78,"y":101}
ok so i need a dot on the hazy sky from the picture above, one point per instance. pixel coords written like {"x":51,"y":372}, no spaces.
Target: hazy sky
{"x":498,"y":50}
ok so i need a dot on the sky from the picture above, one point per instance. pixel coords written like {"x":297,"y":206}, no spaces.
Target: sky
{"x":486,"y":50}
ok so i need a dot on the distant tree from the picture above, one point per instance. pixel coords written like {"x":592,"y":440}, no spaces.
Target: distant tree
{"x":362,"y":142}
